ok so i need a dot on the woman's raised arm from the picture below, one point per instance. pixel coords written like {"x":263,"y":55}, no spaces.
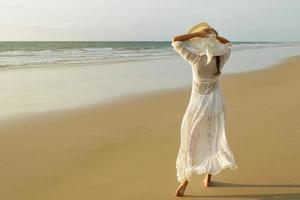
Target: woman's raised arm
{"x":184,"y":37}
{"x":223,"y":40}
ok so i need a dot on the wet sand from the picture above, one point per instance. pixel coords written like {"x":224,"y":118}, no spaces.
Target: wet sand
{"x":127,"y":149}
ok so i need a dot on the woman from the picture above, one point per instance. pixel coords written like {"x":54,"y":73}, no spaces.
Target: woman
{"x":203,"y":147}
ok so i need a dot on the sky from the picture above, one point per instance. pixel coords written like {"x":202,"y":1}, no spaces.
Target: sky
{"x":147,"y":20}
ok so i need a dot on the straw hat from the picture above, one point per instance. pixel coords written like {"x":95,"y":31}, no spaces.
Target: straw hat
{"x":209,"y":46}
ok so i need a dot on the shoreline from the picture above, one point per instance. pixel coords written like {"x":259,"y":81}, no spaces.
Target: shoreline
{"x":130,"y":97}
{"x":125,"y":148}
{"x":46,"y":89}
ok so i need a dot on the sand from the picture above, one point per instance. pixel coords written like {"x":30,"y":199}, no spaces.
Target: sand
{"x":127,"y":149}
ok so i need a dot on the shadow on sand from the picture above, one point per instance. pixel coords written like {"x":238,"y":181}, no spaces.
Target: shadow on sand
{"x":221,"y":184}
{"x":277,"y":196}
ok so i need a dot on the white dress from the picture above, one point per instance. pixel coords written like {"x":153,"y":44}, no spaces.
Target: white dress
{"x":203,"y":143}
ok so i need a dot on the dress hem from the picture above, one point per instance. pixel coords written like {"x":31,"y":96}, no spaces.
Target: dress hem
{"x":223,"y":158}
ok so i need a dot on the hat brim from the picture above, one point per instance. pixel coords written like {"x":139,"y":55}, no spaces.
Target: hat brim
{"x":199,"y":27}
{"x":214,"y":45}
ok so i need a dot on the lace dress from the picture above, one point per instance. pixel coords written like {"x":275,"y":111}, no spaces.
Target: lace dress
{"x":203,"y":143}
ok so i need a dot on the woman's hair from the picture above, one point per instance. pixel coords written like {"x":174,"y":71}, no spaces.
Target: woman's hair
{"x":218,"y":65}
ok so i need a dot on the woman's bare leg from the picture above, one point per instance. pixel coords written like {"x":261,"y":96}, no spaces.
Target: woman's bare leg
{"x":207,"y":180}
{"x":180,"y":190}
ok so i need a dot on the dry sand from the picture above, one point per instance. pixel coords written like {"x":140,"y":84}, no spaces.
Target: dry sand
{"x":127,"y":149}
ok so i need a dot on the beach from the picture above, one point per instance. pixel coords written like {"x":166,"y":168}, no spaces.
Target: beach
{"x":37,"y":77}
{"x":127,"y":148}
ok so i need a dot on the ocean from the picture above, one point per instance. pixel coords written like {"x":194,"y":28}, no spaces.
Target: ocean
{"x":49,"y":76}
{"x":45,"y":54}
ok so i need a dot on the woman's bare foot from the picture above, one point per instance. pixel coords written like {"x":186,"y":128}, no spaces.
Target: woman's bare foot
{"x":180,"y":190}
{"x":207,"y":180}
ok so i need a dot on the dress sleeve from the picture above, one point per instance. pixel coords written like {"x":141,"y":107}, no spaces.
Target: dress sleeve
{"x":227,"y":54}
{"x":184,"y":51}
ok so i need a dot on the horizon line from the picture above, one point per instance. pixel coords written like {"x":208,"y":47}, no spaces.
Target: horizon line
{"x":130,"y":41}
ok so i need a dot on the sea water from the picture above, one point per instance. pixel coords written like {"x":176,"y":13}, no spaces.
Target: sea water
{"x":45,"y":54}
{"x":45,"y":76}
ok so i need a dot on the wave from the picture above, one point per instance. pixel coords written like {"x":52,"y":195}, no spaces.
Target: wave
{"x":39,"y":54}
